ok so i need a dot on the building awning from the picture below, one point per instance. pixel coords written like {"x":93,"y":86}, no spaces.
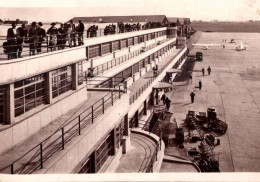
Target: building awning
{"x":173,"y":70}
{"x":162,"y":85}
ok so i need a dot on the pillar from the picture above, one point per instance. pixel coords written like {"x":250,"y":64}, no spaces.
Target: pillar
{"x":113,"y":135}
{"x":10,"y":113}
{"x":126,"y":125}
{"x":48,"y":86}
{"x":136,"y":118}
{"x":145,"y":107}
{"x":75,"y":76}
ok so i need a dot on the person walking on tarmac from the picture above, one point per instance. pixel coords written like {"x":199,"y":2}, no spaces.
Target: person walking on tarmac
{"x":200,"y":84}
{"x":203,"y":71}
{"x":163,"y":98}
{"x":192,"y":95}
{"x":209,"y":70}
{"x":167,"y":102}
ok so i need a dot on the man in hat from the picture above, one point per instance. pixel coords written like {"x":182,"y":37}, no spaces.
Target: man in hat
{"x":200,"y":84}
{"x":209,"y":70}
{"x":41,"y":34}
{"x":11,"y":40}
{"x":21,"y":34}
{"x":53,"y":32}
{"x":33,"y":38}
{"x":203,"y":71}
{"x":80,"y":31}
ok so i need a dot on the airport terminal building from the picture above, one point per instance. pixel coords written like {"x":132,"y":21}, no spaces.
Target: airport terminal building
{"x":75,"y":110}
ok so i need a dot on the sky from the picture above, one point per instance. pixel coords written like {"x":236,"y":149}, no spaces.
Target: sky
{"x":63,"y":10}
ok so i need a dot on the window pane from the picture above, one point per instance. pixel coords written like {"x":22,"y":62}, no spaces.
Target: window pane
{"x":18,"y":84}
{"x":18,"y":102}
{"x":19,"y":111}
{"x":18,"y":93}
{"x":40,"y":101}
{"x":29,"y":106}
{"x":29,"y":98}
{"x":29,"y":89}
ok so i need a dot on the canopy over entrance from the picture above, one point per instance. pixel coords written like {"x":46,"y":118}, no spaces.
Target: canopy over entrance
{"x":162,"y":85}
{"x":173,"y":70}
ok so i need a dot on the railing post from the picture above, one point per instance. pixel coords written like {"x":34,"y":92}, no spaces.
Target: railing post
{"x":103,"y":105}
{"x":112,"y":99}
{"x":119,"y":93}
{"x":47,"y":39}
{"x":79,"y":125}
{"x":62,"y":136}
{"x":92,"y":113}
{"x":12,"y":168}
{"x":41,"y":156}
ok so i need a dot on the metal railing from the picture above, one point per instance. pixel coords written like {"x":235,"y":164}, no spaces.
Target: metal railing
{"x":35,"y":158}
{"x":151,"y":80}
{"x":117,"y":61}
{"x":13,"y":47}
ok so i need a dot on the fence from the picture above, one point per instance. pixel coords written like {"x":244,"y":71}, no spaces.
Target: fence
{"x":35,"y":158}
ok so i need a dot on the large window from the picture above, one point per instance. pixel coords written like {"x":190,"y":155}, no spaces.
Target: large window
{"x":61,"y":81}
{"x":120,"y":133}
{"x":142,"y":64}
{"x":136,"y":68}
{"x":103,"y":152}
{"x":106,"y":48}
{"x":127,"y":72}
{"x":80,"y":73}
{"x":145,"y":37}
{"x":118,"y":78}
{"x":149,"y":36}
{"x":116,"y":45}
{"x":2,"y":103}
{"x":136,"y":40}
{"x":141,"y":38}
{"x":94,"y":51}
{"x":130,"y":41}
{"x":28,"y":94}
{"x":123,"y":43}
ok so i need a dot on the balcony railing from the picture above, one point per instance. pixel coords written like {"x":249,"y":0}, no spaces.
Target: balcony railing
{"x":35,"y":157}
{"x":13,"y":48}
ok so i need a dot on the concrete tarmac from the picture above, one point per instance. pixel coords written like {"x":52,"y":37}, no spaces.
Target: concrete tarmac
{"x":233,"y":89}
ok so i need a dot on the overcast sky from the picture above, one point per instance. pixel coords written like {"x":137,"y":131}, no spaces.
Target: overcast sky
{"x":62,"y":10}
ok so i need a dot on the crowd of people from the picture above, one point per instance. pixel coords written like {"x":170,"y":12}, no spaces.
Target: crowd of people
{"x":36,"y":35}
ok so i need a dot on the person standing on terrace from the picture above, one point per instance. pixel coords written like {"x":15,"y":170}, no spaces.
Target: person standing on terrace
{"x":80,"y":30}
{"x":41,"y":34}
{"x":53,"y":32}
{"x":73,"y":32}
{"x":33,"y":38}
{"x":21,"y":34}
{"x":11,"y":40}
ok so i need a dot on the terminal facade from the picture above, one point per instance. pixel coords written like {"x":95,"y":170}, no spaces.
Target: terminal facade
{"x":38,"y":90}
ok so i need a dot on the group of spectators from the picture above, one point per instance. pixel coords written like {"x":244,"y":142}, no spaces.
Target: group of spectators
{"x":36,"y":35}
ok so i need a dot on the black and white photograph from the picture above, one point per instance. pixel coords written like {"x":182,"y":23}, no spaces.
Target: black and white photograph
{"x":129,"y":90}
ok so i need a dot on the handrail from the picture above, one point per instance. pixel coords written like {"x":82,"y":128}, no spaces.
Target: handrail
{"x":54,"y":41}
{"x":117,"y":61}
{"x":151,"y":80}
{"x":55,"y":144}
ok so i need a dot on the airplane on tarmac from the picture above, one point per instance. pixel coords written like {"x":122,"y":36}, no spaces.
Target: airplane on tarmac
{"x":241,"y":47}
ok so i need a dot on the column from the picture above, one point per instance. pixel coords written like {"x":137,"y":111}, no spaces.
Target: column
{"x":48,"y":86}
{"x":10,"y":113}
{"x":145,"y":107}
{"x":136,"y":118}
{"x":113,"y":135}
{"x":75,"y":76}
{"x":126,"y":122}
